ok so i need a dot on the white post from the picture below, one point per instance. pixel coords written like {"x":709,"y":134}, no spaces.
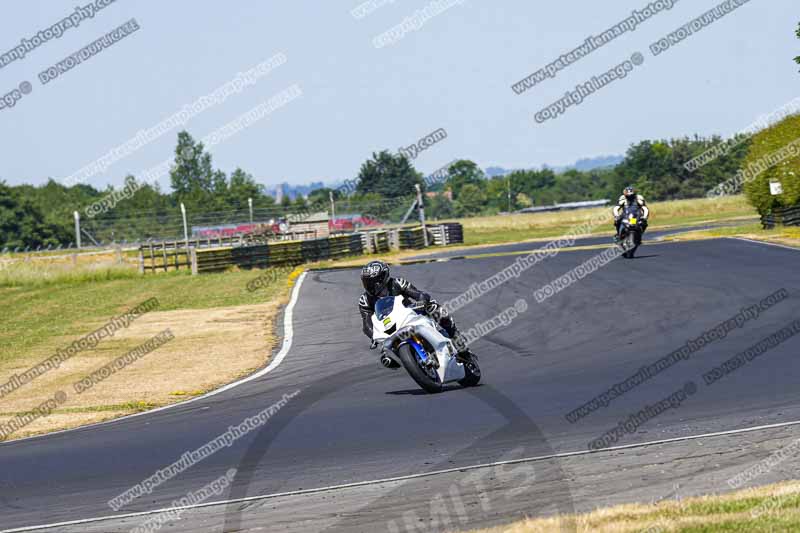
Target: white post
{"x":185,"y":227}
{"x":509,"y":193}
{"x":333,"y":205}
{"x":250,"y":204}
{"x":77,"y":228}
{"x":421,"y":208}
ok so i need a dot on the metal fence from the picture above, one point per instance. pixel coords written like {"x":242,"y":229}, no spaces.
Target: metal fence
{"x":202,"y":229}
{"x":346,"y":216}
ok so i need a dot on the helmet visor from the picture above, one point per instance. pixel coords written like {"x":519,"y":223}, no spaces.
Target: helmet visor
{"x":376,"y":283}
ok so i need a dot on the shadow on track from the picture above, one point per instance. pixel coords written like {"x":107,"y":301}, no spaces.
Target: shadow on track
{"x":527,"y":489}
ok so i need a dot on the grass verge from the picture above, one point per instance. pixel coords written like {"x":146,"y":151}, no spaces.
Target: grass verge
{"x":761,"y":509}
{"x":788,"y":236}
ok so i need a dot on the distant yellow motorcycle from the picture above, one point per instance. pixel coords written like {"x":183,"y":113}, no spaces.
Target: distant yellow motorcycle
{"x":630,"y":234}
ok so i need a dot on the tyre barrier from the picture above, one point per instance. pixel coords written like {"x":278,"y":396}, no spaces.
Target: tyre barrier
{"x":782,"y":216}
{"x":290,"y":253}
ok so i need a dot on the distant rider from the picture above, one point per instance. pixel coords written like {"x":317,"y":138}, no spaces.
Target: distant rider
{"x":378,"y":283}
{"x":629,"y":197}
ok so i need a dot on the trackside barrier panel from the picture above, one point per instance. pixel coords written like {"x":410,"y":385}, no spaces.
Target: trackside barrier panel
{"x":783,"y":216}
{"x":286,"y":253}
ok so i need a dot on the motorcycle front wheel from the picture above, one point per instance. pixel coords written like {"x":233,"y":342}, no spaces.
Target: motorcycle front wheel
{"x":630,"y":245}
{"x":426,"y":377}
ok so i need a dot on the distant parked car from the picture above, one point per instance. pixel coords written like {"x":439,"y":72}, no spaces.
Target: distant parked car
{"x":366,"y":221}
{"x":340,"y":224}
{"x":352,"y":222}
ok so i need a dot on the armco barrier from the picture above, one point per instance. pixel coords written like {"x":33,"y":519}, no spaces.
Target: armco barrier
{"x":785,"y":216}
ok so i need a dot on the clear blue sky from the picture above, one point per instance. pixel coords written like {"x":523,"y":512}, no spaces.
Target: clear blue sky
{"x":455,"y":73}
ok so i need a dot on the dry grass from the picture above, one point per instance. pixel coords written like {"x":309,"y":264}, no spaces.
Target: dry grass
{"x":212,"y":345}
{"x":729,"y":512}
{"x":677,"y":211}
{"x":32,"y":269}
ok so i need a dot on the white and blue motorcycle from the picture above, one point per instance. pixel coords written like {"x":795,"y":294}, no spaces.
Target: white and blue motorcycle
{"x":416,"y":342}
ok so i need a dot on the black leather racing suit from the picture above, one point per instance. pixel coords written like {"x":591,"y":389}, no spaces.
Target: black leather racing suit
{"x":620,"y":207}
{"x":398,"y":287}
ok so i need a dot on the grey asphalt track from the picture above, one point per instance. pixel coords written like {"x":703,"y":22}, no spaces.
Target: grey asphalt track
{"x":354,"y":421}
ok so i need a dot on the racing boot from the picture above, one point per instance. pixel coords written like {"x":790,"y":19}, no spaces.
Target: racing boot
{"x":467,"y":356}
{"x":388,"y":362}
{"x":464,"y":354}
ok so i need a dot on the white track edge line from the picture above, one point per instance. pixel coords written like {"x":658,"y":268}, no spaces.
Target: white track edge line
{"x":304,"y":492}
{"x":765,"y":243}
{"x":288,"y":334}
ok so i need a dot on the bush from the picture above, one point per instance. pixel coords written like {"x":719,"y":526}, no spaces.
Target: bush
{"x":771,"y":147}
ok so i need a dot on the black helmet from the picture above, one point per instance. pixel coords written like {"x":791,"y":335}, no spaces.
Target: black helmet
{"x":629,"y":192}
{"x":374,"y":277}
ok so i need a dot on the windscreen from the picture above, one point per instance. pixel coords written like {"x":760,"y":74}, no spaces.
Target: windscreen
{"x":384,"y":307}
{"x":632,"y":211}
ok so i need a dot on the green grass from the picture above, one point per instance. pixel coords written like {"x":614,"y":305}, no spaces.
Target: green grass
{"x":719,"y":508}
{"x":500,"y":236}
{"x":37,"y":313}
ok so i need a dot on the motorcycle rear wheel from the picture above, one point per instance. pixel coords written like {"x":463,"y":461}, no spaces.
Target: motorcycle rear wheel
{"x":472,"y":374}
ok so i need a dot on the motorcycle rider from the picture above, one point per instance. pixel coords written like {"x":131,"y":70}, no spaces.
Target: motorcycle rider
{"x":378,"y":283}
{"x":629,"y":197}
